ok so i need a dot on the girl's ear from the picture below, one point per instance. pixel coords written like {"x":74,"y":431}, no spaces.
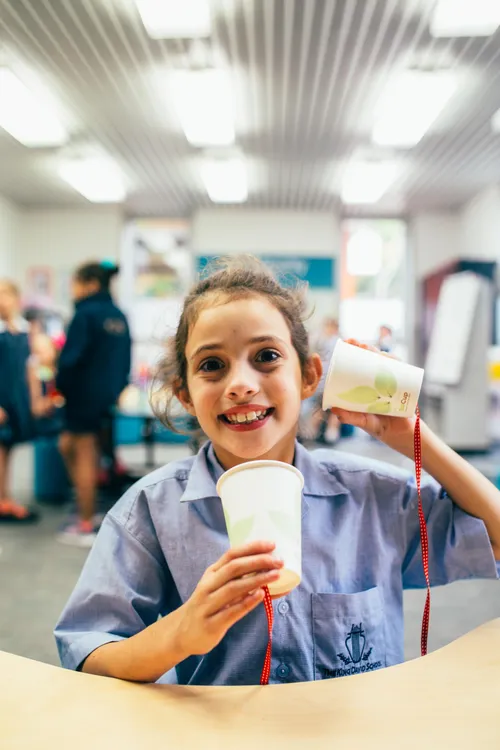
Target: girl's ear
{"x":182,"y":393}
{"x":311,"y":377}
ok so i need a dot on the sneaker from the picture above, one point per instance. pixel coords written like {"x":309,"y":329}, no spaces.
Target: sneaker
{"x":78,"y":534}
{"x":12,"y":512}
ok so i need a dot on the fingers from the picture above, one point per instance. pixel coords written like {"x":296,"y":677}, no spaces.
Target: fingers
{"x":238,"y":589}
{"x":357,"y":419}
{"x":240,"y":567}
{"x":228,"y":617}
{"x":252,"y":548}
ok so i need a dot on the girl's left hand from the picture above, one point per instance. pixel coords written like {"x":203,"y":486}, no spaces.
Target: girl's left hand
{"x":396,"y":432}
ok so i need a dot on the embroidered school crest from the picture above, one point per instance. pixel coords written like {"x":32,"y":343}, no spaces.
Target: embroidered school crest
{"x":355,"y":643}
{"x":357,"y":658}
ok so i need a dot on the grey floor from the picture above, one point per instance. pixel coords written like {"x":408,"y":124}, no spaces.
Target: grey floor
{"x":37,"y":573}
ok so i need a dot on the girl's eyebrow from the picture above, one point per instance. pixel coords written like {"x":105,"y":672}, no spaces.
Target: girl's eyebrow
{"x":254,"y":340}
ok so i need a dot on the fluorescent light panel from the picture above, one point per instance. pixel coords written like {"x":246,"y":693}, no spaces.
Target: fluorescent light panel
{"x":175,"y":19}
{"x":366,"y":182}
{"x":96,"y":179}
{"x":204,"y":103}
{"x":26,"y":116}
{"x":225,"y":180}
{"x":410,"y":104}
{"x":465,"y":18}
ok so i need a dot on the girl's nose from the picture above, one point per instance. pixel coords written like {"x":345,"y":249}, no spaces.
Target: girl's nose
{"x":242,"y":384}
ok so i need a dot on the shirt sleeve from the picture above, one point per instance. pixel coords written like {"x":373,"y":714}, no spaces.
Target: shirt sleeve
{"x":459,"y":546}
{"x":122,"y":589}
{"x":74,"y":350}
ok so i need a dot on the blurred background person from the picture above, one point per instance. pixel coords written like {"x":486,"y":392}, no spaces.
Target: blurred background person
{"x":385,"y":340}
{"x":46,"y":401}
{"x":324,"y":426}
{"x":94,"y":368}
{"x":16,"y":421}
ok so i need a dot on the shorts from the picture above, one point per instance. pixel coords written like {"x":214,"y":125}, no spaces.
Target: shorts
{"x":79,"y":422}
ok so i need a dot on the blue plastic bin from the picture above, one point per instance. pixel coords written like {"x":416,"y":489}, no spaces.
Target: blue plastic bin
{"x":51,"y":480}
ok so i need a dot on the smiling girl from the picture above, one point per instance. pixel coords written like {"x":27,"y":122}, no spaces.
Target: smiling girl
{"x":161,"y":591}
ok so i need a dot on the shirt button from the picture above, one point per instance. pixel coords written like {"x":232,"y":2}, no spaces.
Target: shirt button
{"x":283,"y":607}
{"x":283,"y":671}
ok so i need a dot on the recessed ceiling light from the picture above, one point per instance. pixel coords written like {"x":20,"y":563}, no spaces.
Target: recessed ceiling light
{"x":410,"y":104}
{"x":465,"y":18}
{"x":26,"y":115}
{"x":97,"y":178}
{"x":366,"y":182}
{"x":204,"y":103}
{"x":175,"y":19}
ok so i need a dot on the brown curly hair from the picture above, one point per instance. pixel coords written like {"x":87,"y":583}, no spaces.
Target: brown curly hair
{"x":233,"y":278}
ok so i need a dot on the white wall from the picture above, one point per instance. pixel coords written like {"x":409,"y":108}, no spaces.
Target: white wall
{"x":435,"y":239}
{"x":63,"y":239}
{"x":480,"y":226}
{"x":10,"y":218}
{"x":265,"y":232}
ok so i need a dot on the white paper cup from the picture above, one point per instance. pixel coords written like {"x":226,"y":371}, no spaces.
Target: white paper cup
{"x":263,"y":500}
{"x":365,"y":381}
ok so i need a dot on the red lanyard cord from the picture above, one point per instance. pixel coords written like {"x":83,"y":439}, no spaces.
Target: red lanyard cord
{"x":423,"y":536}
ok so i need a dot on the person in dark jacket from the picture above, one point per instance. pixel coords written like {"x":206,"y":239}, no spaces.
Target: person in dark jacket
{"x":94,"y":368}
{"x":16,"y":420}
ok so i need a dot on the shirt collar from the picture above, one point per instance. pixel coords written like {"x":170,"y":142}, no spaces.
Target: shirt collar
{"x":206,"y":471}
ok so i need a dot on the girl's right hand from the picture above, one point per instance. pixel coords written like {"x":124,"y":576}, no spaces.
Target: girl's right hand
{"x":4,"y":417}
{"x":228,"y":590}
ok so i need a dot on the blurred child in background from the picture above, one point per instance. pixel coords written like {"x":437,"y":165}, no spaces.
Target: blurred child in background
{"x":16,"y":421}
{"x":93,"y":370}
{"x":325,"y":426}
{"x":46,"y":400}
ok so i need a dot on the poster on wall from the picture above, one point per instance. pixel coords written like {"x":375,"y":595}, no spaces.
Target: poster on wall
{"x":317,"y":272}
{"x":156,"y":273}
{"x":39,"y":290}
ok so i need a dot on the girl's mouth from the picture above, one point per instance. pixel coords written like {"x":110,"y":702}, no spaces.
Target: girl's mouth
{"x":246,"y":421}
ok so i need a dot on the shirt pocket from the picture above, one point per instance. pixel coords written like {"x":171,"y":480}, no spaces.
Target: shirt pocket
{"x":348,"y":633}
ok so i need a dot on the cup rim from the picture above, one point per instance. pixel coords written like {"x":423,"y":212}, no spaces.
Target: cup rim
{"x":338,"y":345}
{"x":247,"y":465}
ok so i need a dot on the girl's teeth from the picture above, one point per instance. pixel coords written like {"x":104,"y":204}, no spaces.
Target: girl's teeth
{"x":250,"y":416}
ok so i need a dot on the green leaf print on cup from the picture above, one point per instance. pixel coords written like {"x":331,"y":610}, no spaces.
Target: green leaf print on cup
{"x":240,"y":531}
{"x":362,"y":394}
{"x":380,"y":407}
{"x":377,"y":400}
{"x":385,"y":383}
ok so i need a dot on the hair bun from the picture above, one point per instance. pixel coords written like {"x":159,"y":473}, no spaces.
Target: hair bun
{"x":110,"y":266}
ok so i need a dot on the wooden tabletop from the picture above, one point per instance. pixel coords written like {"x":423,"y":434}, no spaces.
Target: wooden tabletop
{"x":449,"y":699}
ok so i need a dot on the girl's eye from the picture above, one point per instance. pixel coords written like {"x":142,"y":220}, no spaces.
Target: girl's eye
{"x":211,"y":365}
{"x":267,"y":356}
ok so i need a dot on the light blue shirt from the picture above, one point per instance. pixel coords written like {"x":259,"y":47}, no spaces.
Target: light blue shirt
{"x":361,"y":547}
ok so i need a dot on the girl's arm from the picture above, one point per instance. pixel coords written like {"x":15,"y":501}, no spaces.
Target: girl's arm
{"x":469,"y":488}
{"x":40,"y":404}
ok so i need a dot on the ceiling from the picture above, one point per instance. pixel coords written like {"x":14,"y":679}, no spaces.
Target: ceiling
{"x":306,"y":73}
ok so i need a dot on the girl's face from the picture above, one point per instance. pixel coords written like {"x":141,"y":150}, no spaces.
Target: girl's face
{"x":245,"y":384}
{"x":9,"y":302}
